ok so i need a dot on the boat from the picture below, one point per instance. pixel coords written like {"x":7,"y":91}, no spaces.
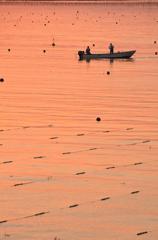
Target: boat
{"x":84,"y":56}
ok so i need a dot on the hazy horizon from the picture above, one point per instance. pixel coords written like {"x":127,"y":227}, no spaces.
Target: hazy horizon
{"x":86,"y":1}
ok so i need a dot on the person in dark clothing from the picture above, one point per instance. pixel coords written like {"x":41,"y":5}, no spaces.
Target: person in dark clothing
{"x":88,"y":51}
{"x":111,"y":48}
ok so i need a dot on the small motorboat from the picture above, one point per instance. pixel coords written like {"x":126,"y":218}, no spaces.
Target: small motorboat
{"x":84,"y":56}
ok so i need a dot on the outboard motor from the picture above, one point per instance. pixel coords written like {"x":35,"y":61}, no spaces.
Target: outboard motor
{"x":80,"y":53}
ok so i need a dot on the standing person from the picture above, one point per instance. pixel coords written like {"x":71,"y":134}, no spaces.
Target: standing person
{"x":88,"y":51}
{"x":111,"y":48}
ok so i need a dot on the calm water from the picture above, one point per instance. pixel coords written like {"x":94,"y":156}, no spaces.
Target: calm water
{"x":48,"y":130}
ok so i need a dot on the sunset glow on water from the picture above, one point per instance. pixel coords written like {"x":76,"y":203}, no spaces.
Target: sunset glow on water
{"x":62,"y":173}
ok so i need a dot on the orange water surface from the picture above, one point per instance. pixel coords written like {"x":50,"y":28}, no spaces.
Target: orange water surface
{"x":62,"y":173}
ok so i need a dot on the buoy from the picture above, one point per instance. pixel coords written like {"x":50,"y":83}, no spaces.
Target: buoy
{"x":8,"y":49}
{"x":44,"y":50}
{"x":154,"y":42}
{"x":1,"y":80}
{"x":98,"y":119}
{"x":108,"y":73}
{"x":155,"y":53}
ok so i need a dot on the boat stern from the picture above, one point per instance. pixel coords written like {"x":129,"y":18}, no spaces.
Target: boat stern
{"x":80,"y":54}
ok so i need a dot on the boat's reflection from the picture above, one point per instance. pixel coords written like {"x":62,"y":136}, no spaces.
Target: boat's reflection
{"x":112,"y":60}
{"x":122,"y":60}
